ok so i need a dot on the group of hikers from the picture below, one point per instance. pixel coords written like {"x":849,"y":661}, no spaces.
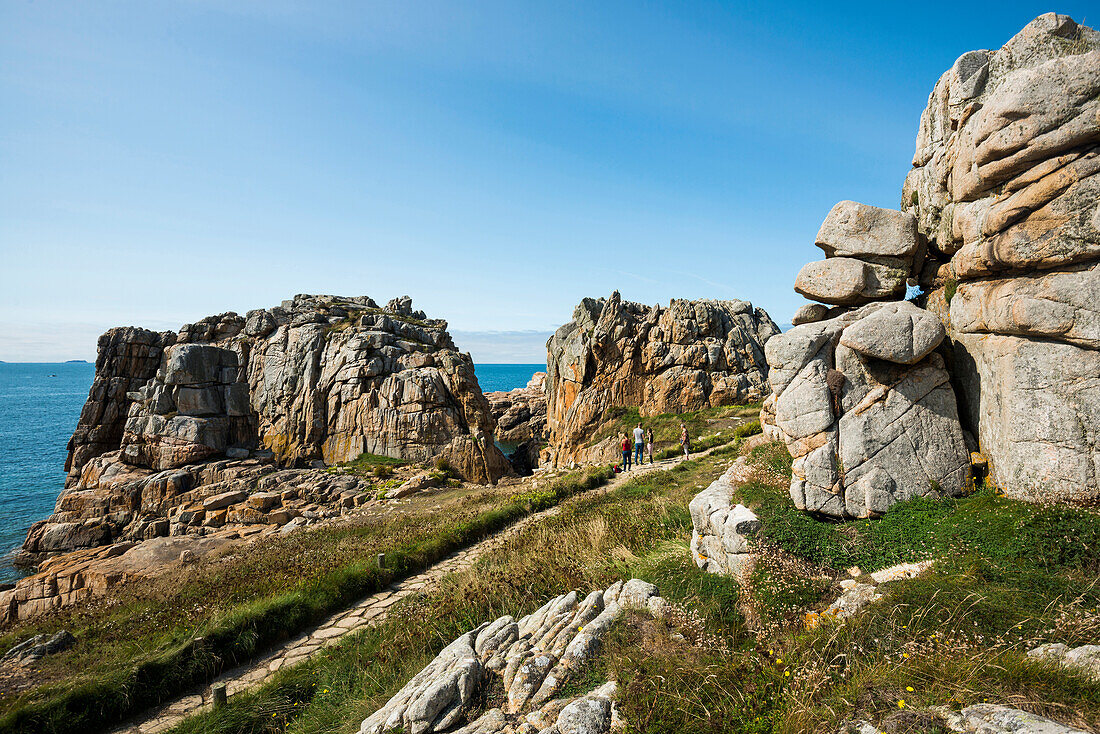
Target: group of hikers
{"x":643,"y":446}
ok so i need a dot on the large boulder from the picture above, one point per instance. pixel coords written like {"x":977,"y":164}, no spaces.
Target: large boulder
{"x":865,"y":406}
{"x":614,"y":353}
{"x":1004,"y":186}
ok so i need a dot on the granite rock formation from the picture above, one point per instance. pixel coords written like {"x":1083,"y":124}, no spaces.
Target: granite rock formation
{"x":1000,"y":228}
{"x":317,"y":379}
{"x":866,"y":408}
{"x":128,"y":358}
{"x":870,"y":255}
{"x":532,"y":659}
{"x":721,"y":531}
{"x":614,"y":353}
{"x":1005,"y":188}
{"x":520,"y":416}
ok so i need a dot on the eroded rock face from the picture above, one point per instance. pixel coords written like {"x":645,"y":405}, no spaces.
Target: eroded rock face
{"x":532,"y":659}
{"x":320,"y":377}
{"x":520,"y":414}
{"x":866,"y":409}
{"x":317,"y":378}
{"x":128,"y":358}
{"x":1004,"y":186}
{"x":614,"y":353}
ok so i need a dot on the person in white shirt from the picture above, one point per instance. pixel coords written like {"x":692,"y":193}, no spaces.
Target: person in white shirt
{"x":639,"y":444}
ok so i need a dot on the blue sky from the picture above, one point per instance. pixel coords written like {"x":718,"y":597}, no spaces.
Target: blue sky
{"x":160,"y":162}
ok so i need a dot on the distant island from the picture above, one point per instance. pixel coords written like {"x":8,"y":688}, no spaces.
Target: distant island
{"x":76,"y":361}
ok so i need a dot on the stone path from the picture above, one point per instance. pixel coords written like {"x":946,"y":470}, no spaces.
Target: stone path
{"x":364,"y":613}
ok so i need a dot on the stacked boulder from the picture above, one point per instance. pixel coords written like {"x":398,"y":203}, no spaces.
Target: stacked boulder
{"x":532,"y":660}
{"x":1005,"y":186}
{"x":862,"y":399}
{"x":1001,"y":232}
{"x":614,"y":354}
{"x":870,"y":255}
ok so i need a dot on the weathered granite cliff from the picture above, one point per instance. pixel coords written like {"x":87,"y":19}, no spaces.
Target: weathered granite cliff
{"x":614,"y":353}
{"x":1001,"y":230}
{"x":1005,"y":186}
{"x":319,"y":378}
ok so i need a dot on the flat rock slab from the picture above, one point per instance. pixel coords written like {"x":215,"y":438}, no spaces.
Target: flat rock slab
{"x":857,"y":230}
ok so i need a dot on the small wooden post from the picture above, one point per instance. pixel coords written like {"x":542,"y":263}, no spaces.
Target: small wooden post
{"x":217,"y":692}
{"x":381,"y":560}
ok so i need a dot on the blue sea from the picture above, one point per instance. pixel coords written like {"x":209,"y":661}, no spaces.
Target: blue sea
{"x":496,"y":377}
{"x":39,"y":407}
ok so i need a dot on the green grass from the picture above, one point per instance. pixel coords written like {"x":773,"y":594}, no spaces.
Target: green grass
{"x":635,"y":530}
{"x":956,"y":635}
{"x":1004,"y":531}
{"x":369,"y":464}
{"x":666,"y":426}
{"x":139,"y":648}
{"x":1008,"y":576}
{"x":949,"y":289}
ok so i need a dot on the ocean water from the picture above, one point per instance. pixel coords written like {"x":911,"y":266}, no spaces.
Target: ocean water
{"x":39,"y":407}
{"x":495,"y":377}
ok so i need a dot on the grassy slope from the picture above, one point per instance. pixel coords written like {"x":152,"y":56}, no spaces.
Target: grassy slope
{"x":638,"y":530}
{"x":1011,"y":576}
{"x":137,"y":647}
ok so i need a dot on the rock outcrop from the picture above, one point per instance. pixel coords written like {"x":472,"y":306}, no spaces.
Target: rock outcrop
{"x":867,"y":411}
{"x":532,"y":659}
{"x":1000,"y":228}
{"x":721,"y":531}
{"x":614,"y":353}
{"x":128,"y":358}
{"x":1005,"y":188}
{"x":1084,"y":659}
{"x":221,"y":404}
{"x":520,"y":414}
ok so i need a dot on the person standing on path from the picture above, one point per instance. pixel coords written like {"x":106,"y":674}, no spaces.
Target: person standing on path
{"x":625,"y":446}
{"x":639,"y":445}
{"x":649,"y":443}
{"x":684,"y":440}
